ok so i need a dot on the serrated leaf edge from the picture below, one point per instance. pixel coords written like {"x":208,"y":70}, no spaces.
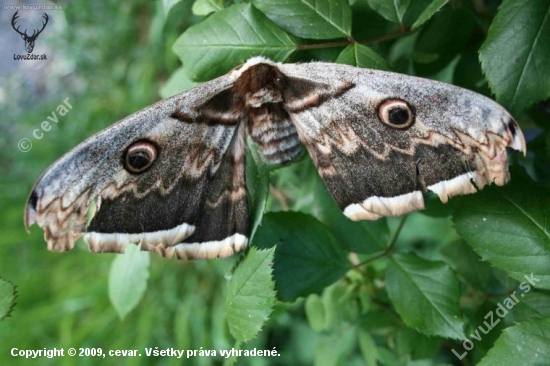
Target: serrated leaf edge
{"x":14,"y":294}
{"x":429,"y":301}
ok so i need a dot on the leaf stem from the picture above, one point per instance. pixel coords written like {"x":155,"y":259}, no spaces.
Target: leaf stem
{"x":396,"y":233}
{"x":372,"y":259}
{"x":350,"y":40}
{"x":389,"y":248}
{"x":389,"y":35}
{"x":323,"y":45}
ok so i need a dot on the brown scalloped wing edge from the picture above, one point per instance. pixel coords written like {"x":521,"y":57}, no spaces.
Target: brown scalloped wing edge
{"x":492,"y":156}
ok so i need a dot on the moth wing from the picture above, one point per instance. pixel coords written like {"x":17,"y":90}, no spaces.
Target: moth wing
{"x":373,"y":169}
{"x":191,"y":202}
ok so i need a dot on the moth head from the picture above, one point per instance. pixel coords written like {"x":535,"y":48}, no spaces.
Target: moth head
{"x":396,"y":113}
{"x":139,"y":156}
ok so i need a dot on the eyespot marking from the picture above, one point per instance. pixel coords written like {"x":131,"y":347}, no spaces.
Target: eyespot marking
{"x":139,"y":157}
{"x":396,"y":113}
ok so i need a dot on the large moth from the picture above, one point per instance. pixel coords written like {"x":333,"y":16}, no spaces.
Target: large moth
{"x":171,"y":177}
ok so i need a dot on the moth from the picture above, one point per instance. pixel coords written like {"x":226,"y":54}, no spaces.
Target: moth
{"x":171,"y":177}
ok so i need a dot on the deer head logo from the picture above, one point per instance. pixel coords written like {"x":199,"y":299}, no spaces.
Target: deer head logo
{"x":29,"y":40}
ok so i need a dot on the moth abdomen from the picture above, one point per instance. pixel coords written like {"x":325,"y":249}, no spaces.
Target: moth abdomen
{"x":261,"y":86}
{"x":271,"y":129}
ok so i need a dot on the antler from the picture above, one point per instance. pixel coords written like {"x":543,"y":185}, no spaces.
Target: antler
{"x":34,"y":34}
{"x":15,"y":16}
{"x":45,"y":16}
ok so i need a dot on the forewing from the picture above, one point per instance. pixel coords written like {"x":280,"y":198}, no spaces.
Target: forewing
{"x":191,"y":201}
{"x":373,"y":168}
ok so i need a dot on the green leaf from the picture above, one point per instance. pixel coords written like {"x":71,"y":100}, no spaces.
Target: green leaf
{"x":442,"y":39}
{"x":422,"y":233}
{"x":228,"y":38}
{"x":387,"y":357}
{"x":315,"y":313}
{"x":468,"y":74}
{"x":308,"y":257}
{"x":8,"y":294}
{"x":205,"y":7}
{"x":414,"y":10}
{"x":467,"y":263}
{"x":168,"y":5}
{"x":178,"y":82}
{"x":380,"y":321}
{"x":257,"y":175}
{"x":368,"y":348}
{"x":250,"y":295}
{"x":509,"y":227}
{"x":366,"y":237}
{"x":523,"y":344}
{"x":392,"y":10}
{"x":426,"y":295}
{"x":429,"y":12}
{"x":515,"y":55}
{"x":339,"y":305}
{"x":362,"y":56}
{"x":306,"y":192}
{"x":128,"y":279}
{"x":535,"y":304}
{"x":417,"y":345}
{"x":315,"y":19}
{"x":402,"y":49}
{"x":329,"y":349}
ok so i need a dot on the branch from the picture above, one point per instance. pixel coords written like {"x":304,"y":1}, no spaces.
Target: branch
{"x":349,"y":41}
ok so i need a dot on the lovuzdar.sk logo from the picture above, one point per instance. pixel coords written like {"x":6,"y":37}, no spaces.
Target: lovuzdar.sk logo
{"x":29,"y":39}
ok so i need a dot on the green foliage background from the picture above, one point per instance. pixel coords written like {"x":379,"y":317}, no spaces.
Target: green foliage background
{"x":319,"y":289}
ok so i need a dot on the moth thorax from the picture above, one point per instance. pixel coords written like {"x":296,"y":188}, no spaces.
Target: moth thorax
{"x":272,"y":130}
